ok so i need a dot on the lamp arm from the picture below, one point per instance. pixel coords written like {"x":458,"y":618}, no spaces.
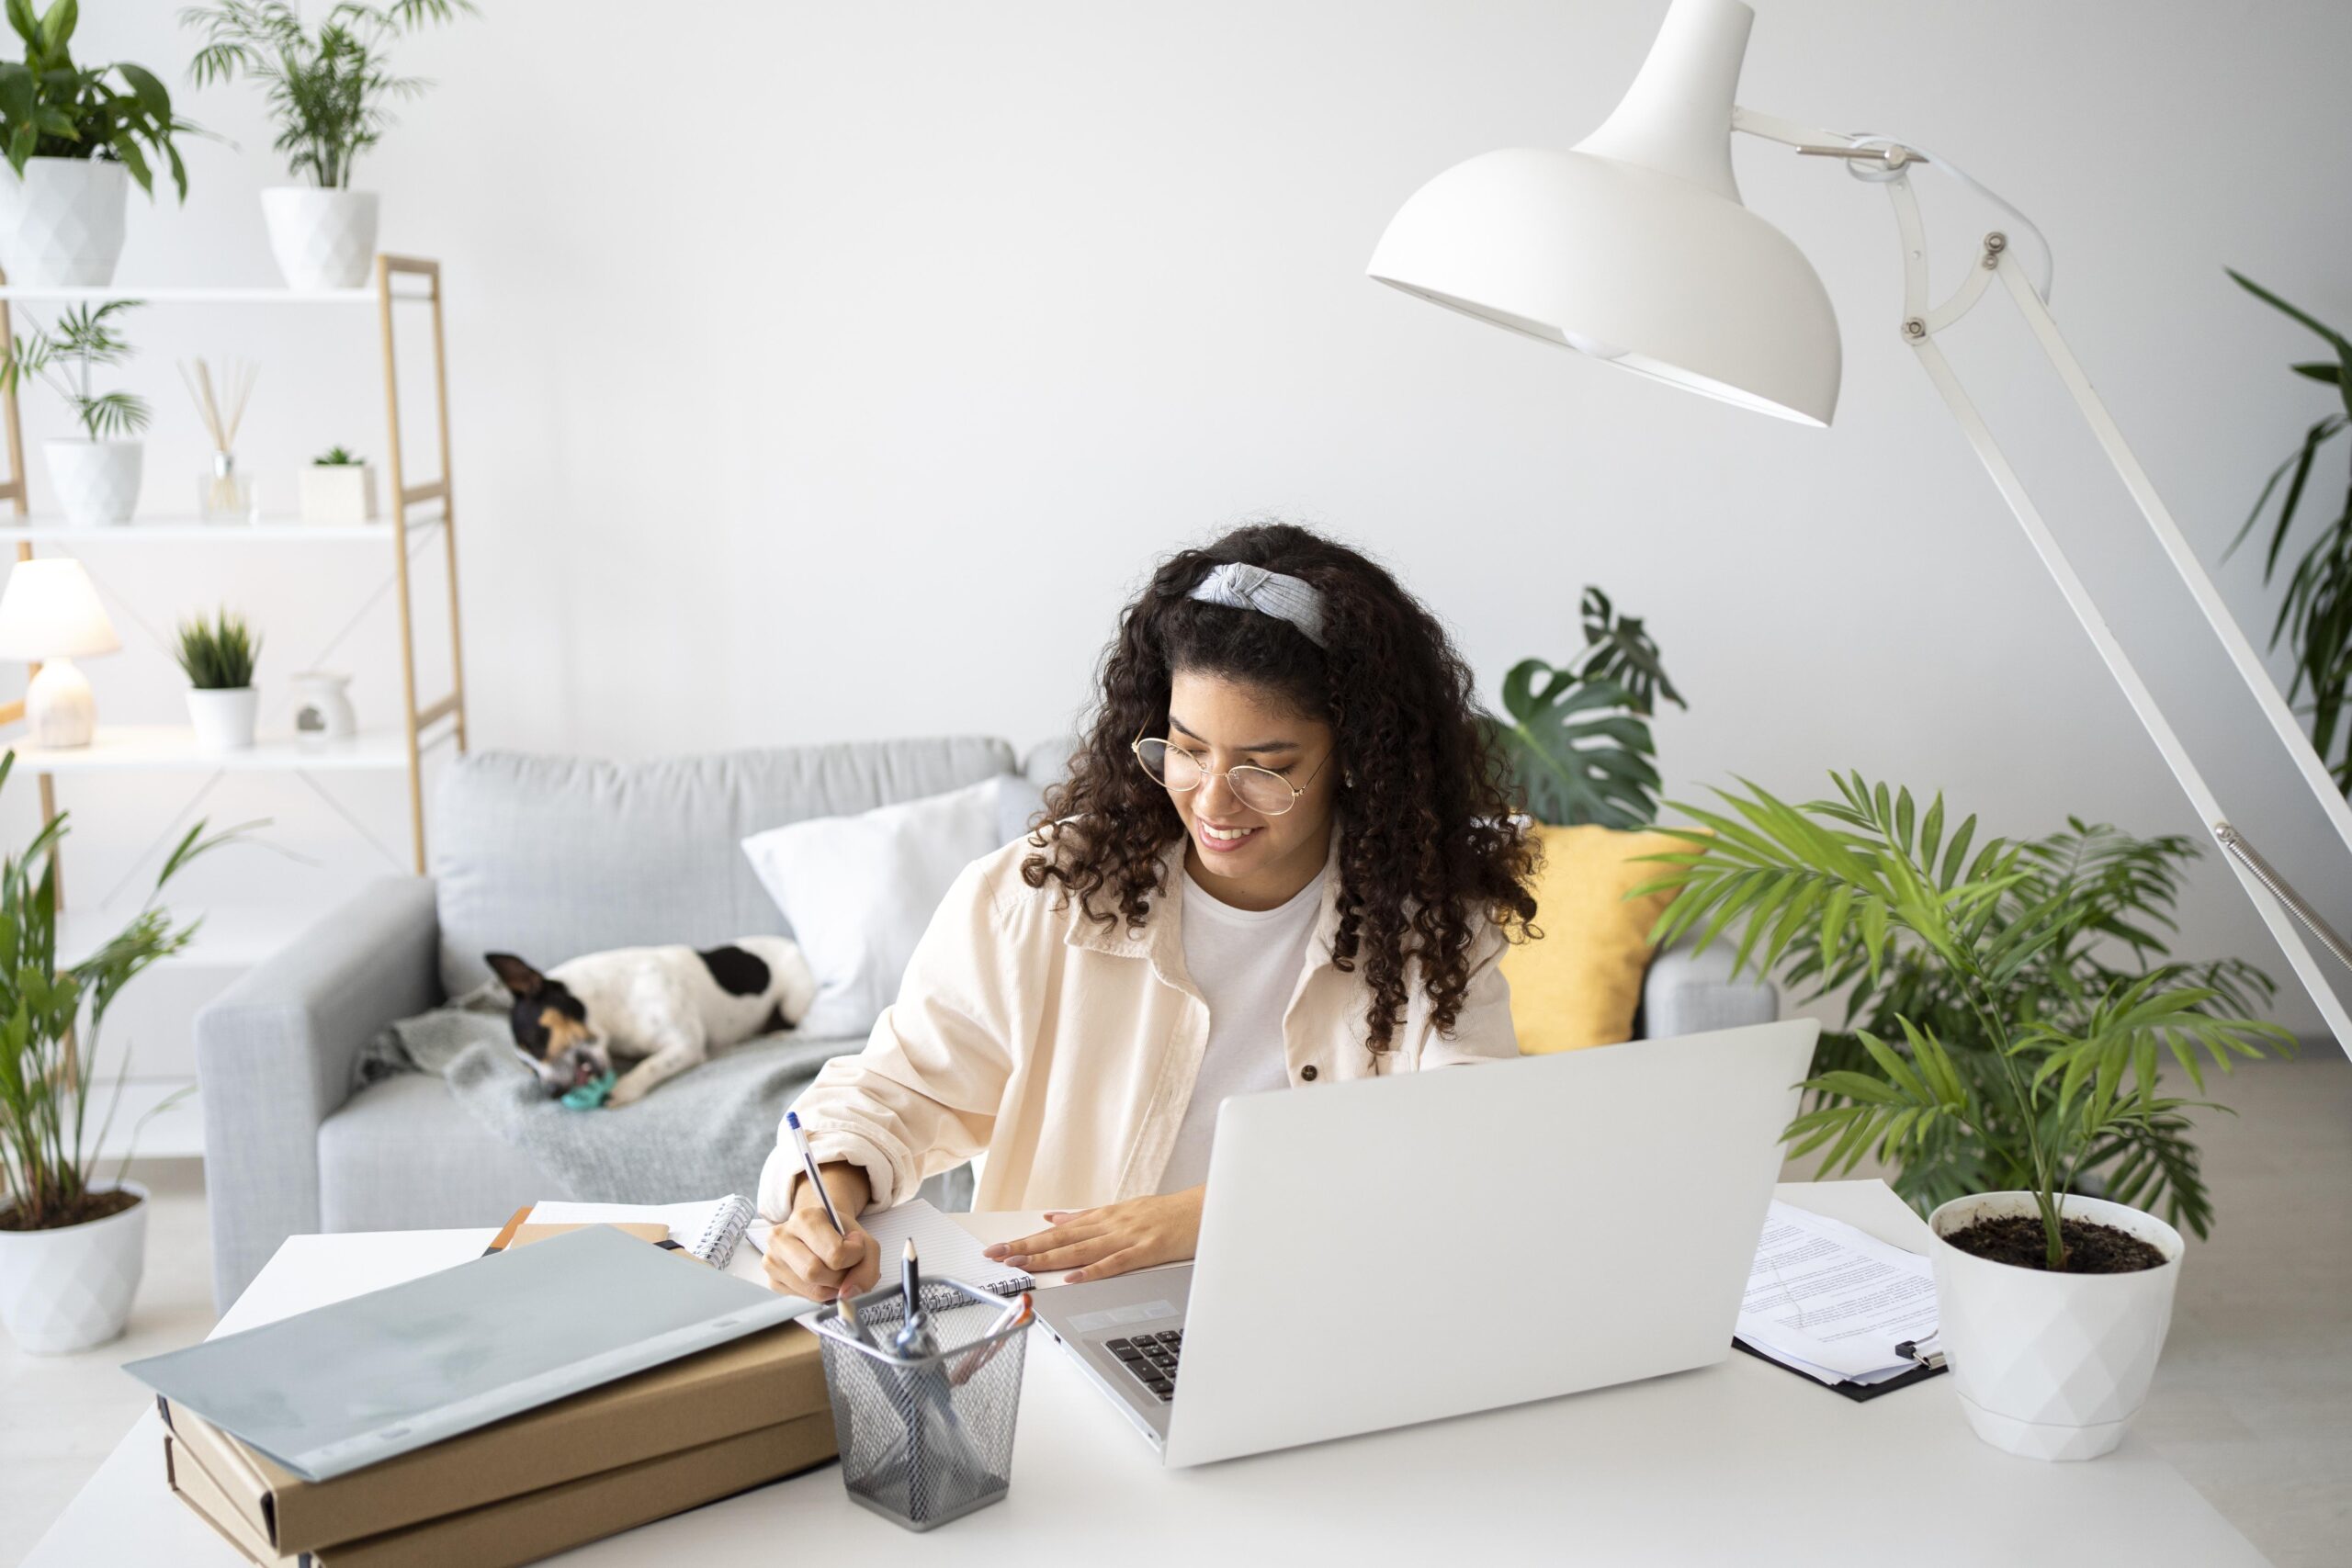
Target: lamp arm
{"x":2273,"y":898}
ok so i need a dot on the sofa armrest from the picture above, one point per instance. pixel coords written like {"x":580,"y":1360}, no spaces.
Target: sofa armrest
{"x":1690,"y":993}
{"x":274,"y":1056}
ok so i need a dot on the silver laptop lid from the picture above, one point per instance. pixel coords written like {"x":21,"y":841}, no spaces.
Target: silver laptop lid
{"x":1391,"y":1250}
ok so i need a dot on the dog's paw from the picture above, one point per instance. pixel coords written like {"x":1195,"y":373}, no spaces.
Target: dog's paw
{"x":628,"y":1091}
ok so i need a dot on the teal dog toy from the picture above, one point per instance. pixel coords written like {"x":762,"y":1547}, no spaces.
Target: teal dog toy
{"x":591,"y":1095}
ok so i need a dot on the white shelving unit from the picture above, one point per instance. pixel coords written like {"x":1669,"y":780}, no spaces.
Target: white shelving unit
{"x":233,"y":939}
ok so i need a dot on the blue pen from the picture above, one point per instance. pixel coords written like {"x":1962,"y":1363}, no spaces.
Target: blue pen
{"x":808,"y":1164}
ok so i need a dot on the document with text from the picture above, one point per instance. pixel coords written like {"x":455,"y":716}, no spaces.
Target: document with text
{"x":1834,"y":1302}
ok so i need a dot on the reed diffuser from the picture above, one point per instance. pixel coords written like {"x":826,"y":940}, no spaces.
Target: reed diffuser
{"x":224,"y":495}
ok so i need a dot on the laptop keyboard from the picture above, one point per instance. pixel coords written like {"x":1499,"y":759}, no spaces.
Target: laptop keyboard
{"x":1150,"y":1359}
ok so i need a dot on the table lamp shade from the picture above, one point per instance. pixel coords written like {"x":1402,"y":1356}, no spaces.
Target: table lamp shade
{"x":1635,"y":247}
{"x":51,"y":611}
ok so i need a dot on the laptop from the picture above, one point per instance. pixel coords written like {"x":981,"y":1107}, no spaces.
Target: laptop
{"x":1384,"y":1251}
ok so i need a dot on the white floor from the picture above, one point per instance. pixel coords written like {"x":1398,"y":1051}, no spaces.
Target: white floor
{"x":2252,"y":1404}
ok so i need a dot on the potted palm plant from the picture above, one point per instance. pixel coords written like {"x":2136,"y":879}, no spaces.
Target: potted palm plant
{"x":71,"y":1248}
{"x":96,"y":474}
{"x":218,"y":658}
{"x":74,"y":140}
{"x":2054,"y":1304}
{"x":329,"y":90}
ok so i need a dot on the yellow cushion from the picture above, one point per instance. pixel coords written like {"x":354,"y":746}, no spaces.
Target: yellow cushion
{"x":1580,"y":983}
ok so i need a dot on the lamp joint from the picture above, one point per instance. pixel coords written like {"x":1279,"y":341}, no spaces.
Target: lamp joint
{"x":1995,"y":243}
{"x":1914,"y":328}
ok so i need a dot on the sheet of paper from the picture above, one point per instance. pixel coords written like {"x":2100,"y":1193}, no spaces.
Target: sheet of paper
{"x":1833,"y":1300}
{"x":687,"y":1222}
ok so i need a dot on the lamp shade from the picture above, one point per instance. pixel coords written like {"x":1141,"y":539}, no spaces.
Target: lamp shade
{"x":1634,"y":246}
{"x":49,"y":611}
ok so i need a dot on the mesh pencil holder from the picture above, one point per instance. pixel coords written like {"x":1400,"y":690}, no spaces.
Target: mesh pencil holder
{"x":927,"y":1440}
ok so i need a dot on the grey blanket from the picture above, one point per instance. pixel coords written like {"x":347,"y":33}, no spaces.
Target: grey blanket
{"x":705,"y":1132}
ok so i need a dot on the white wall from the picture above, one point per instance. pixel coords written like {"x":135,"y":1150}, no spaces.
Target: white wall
{"x":833,"y":371}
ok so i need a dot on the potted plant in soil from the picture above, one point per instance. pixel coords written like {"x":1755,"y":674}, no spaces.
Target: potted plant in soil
{"x":219,"y":660}
{"x":72,"y":140}
{"x":338,"y":487}
{"x":96,"y":474}
{"x":71,"y":1249}
{"x":327,"y":90}
{"x":2053,"y":1305}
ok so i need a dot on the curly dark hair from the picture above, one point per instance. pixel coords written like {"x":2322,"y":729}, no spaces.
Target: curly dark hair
{"x":1428,"y":847}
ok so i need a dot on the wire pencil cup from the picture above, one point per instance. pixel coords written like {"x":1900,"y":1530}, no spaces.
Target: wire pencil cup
{"x":927,"y":1440}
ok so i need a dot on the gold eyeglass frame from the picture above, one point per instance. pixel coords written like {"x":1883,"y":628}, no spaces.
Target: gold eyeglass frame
{"x":1135,"y":746}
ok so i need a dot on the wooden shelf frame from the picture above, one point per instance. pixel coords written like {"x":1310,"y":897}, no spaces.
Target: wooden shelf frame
{"x":419,"y":283}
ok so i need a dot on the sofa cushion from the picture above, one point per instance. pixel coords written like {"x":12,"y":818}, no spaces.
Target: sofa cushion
{"x":551,"y":857}
{"x":1580,"y":984}
{"x":402,"y":1155}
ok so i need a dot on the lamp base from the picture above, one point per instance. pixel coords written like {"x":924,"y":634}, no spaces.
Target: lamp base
{"x":60,"y":709}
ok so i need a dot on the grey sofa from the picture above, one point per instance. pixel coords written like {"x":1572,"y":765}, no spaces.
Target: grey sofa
{"x":552,"y":857}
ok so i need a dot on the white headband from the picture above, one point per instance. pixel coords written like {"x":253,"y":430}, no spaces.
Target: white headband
{"x":1244,"y":587}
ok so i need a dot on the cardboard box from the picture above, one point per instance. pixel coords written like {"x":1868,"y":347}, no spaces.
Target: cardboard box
{"x":772,"y":1377}
{"x":536,"y":1524}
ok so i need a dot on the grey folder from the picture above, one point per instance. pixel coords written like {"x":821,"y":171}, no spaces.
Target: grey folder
{"x":340,"y":1387}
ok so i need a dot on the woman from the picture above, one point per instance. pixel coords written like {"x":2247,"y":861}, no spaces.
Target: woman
{"x":1284,"y":855}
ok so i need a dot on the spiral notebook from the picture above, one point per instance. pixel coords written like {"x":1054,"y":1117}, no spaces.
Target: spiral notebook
{"x":948,"y":1249}
{"x":712,"y":1230}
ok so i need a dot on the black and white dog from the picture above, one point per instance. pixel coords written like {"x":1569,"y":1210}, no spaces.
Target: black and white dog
{"x":664,"y":1009}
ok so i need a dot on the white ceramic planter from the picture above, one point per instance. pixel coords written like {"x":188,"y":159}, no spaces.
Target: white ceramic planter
{"x":68,"y":1290}
{"x":223,"y":719}
{"x":2050,"y":1366}
{"x":96,"y":481}
{"x":339,"y":492}
{"x":60,"y":221}
{"x":322,"y":239}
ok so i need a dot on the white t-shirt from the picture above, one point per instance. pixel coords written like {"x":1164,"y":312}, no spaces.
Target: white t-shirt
{"x":1247,"y":963}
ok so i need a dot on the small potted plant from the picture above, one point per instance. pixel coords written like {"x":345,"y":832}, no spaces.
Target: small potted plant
{"x":2052,"y":1303}
{"x":338,"y":487}
{"x":219,"y":657}
{"x":74,"y":137}
{"x":328,"y":91}
{"x":71,"y":1248}
{"x":96,"y":474}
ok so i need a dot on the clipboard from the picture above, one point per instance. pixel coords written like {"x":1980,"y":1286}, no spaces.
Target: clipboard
{"x":1857,"y":1391}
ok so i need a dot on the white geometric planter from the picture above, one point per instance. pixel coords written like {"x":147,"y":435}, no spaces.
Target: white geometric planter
{"x":223,"y":716}
{"x":322,"y":239}
{"x":2050,"y":1366}
{"x":96,"y":481}
{"x":68,"y":1290}
{"x":339,"y":492}
{"x":61,"y":222}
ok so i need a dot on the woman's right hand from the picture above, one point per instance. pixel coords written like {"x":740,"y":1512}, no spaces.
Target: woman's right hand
{"x":806,"y":1258}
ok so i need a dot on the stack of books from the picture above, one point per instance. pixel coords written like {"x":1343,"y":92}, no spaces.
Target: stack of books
{"x":434,"y":1489}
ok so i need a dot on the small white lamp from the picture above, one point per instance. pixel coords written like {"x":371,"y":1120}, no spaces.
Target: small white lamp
{"x":50,"y":616}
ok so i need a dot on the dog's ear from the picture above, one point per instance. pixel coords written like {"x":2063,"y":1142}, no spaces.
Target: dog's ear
{"x":517,"y":976}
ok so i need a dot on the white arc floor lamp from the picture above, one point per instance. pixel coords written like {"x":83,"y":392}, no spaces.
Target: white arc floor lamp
{"x":1634,"y":248}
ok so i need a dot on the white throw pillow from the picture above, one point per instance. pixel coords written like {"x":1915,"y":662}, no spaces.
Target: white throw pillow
{"x":859,"y":891}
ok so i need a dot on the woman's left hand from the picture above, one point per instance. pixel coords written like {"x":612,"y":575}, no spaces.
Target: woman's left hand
{"x":1117,"y":1238}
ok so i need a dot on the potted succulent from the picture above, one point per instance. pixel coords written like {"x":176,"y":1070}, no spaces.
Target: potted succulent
{"x":328,"y":90}
{"x":2054,"y":1304}
{"x":338,"y":487}
{"x":96,"y":473}
{"x":73,"y":139}
{"x":71,"y":1248}
{"x":218,"y":658}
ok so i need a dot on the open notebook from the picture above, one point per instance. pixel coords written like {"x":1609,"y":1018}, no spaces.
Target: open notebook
{"x":946,"y":1248}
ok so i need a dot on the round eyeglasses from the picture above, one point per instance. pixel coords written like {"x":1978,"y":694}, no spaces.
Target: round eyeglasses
{"x":1262,"y":790}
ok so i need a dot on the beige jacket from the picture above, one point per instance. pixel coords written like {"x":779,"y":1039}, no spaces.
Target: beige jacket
{"x":1062,"y":1053}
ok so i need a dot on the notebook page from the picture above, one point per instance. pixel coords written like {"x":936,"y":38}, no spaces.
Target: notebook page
{"x":687,"y":1222}
{"x":947,"y":1249}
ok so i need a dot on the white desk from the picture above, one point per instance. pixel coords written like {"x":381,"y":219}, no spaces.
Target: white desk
{"x":1740,"y":1463}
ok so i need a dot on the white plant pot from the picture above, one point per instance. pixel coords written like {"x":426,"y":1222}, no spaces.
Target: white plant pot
{"x":322,"y":239}
{"x":223,"y":719}
{"x":60,"y":221}
{"x":2050,"y":1366}
{"x":339,"y":492}
{"x":68,"y":1290}
{"x":96,"y":481}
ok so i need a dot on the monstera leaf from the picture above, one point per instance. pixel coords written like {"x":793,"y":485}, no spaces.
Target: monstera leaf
{"x":1580,"y":753}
